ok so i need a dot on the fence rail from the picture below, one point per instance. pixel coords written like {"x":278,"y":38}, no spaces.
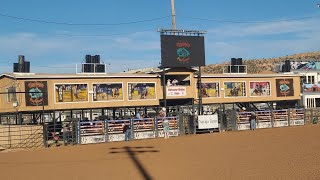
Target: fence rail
{"x":272,"y":118}
{"x":86,"y":132}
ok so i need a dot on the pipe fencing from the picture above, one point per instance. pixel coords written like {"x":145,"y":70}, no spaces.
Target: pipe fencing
{"x":88,"y":132}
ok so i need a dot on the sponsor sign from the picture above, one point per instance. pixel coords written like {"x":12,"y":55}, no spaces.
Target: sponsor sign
{"x":284,"y":87}
{"x":92,"y":139}
{"x":208,"y":121}
{"x":176,"y":91}
{"x":36,"y":93}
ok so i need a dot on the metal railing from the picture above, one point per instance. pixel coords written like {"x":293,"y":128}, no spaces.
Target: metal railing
{"x":21,"y":136}
{"x":272,"y":118}
{"x":87,"y":132}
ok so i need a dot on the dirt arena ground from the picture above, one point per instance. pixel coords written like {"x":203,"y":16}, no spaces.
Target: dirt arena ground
{"x":280,"y":153}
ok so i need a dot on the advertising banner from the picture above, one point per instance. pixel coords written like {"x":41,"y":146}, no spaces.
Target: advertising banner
{"x":107,"y":92}
{"x":140,"y":91}
{"x":208,"y":121}
{"x":36,"y":93}
{"x":71,"y":92}
{"x":284,"y":87}
{"x":234,"y":89}
{"x":260,"y":88}
{"x":311,"y":88}
{"x":209,"y":90}
{"x":182,"y":51}
{"x":176,"y":91}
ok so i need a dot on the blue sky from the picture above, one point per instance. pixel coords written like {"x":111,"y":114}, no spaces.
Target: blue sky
{"x":247,"y":28}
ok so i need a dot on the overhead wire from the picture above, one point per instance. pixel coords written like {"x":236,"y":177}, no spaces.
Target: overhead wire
{"x":247,"y":22}
{"x":145,"y":20}
{"x":80,"y":24}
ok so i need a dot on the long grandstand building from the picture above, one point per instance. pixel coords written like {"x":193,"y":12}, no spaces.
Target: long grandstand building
{"x":32,"y":97}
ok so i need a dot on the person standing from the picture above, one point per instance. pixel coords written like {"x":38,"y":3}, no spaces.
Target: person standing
{"x":126,"y":130}
{"x":166,"y":128}
{"x":252,"y":120}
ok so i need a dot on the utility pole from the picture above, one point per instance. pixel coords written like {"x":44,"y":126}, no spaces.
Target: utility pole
{"x":173,"y":14}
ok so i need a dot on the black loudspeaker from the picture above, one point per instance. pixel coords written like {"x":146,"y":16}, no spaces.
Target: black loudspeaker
{"x":88,"y":59}
{"x":88,"y":68}
{"x":26,"y":65}
{"x":15,"y":67}
{"x":234,"y":69}
{"x":233,"y":61}
{"x":239,"y":61}
{"x":100,"y":68}
{"x":97,"y":59}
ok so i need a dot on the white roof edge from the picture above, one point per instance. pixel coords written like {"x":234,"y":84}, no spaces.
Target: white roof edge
{"x":250,"y":75}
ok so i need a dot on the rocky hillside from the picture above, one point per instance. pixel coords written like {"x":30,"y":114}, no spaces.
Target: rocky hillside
{"x":263,"y":65}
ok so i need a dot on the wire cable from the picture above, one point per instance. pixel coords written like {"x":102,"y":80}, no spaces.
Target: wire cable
{"x":247,"y":22}
{"x":80,"y":24}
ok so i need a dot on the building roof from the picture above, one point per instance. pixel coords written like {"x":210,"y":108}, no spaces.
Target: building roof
{"x":74,"y":76}
{"x":239,"y":75}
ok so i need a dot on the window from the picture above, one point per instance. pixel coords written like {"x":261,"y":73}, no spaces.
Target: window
{"x":310,"y":103}
{"x":310,"y":79}
{"x":12,"y":96}
{"x":177,"y":80}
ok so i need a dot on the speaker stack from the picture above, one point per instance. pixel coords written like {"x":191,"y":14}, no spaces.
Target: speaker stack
{"x":286,"y":67}
{"x":236,"y":66}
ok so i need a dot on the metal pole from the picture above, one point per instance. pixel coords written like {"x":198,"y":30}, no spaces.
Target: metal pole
{"x":199,"y":93}
{"x":173,"y":14}
{"x":164,"y":87}
{"x":42,"y":117}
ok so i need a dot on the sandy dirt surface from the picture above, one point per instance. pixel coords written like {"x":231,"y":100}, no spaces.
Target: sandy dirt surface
{"x":279,"y":153}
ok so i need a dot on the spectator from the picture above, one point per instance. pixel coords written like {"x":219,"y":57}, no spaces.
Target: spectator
{"x":174,"y":82}
{"x":126,"y":130}
{"x":138,"y":115}
{"x":166,"y":128}
{"x":252,"y":120}
{"x":169,"y":82}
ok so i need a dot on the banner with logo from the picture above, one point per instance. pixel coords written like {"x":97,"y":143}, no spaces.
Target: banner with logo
{"x":71,"y":92}
{"x":140,"y":91}
{"x":234,"y":89}
{"x":284,"y":87}
{"x":182,"y":51}
{"x":107,"y":92}
{"x":36,"y":93}
{"x":260,"y":88}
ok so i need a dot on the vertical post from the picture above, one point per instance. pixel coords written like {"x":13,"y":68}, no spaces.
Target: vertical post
{"x":156,"y":130}
{"x":173,"y":14}
{"x":42,"y":117}
{"x":102,"y":112}
{"x":106,"y":127}
{"x":132,"y":128}
{"x":272,"y":117}
{"x":221,"y":126}
{"x":200,"y":111}
{"x":164,"y":87}
{"x":78,"y":135}
{"x":91,"y":117}
{"x":289,"y":112}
